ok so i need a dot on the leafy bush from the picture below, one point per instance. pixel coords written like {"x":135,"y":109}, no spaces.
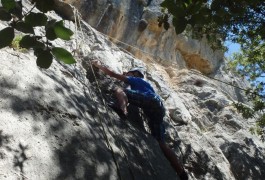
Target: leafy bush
{"x":26,"y":23}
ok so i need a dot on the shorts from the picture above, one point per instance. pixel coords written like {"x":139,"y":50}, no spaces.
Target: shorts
{"x":153,"y":108}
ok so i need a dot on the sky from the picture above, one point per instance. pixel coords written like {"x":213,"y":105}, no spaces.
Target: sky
{"x":232,"y":48}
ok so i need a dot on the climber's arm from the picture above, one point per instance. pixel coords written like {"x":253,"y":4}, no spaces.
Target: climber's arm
{"x":108,"y":71}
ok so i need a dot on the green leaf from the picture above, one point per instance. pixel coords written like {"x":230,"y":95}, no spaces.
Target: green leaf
{"x":37,"y":51}
{"x":194,"y":8}
{"x":216,"y":4}
{"x":30,"y":42}
{"x":166,"y":3}
{"x":44,"y":58}
{"x":63,"y":55}
{"x":45,"y":5}
{"x":177,"y":11}
{"x":8,"y":4}
{"x":218,"y":20}
{"x":6,"y":37}
{"x":24,"y":27}
{"x":50,"y":34}
{"x":180,"y":24}
{"x":17,"y":11}
{"x":204,"y":11}
{"x":173,"y":8}
{"x":62,"y":32}
{"x":4,"y":15}
{"x":222,"y":12}
{"x":199,"y":19}
{"x":36,"y":19}
{"x":192,"y":21}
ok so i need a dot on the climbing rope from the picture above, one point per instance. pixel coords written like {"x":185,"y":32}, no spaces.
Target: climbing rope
{"x":79,"y":45}
{"x":103,"y":14}
{"x":78,"y":19}
{"x":193,"y":71}
{"x":101,"y":121}
{"x":145,"y":52}
{"x":131,"y":46}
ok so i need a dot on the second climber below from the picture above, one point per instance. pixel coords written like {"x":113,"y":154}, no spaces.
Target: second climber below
{"x":141,"y":94}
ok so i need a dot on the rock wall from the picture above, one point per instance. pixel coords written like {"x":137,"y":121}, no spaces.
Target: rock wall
{"x":134,"y":22}
{"x":54,"y":123}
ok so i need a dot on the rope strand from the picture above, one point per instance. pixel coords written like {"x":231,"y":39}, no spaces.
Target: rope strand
{"x":106,"y":109}
{"x":145,"y":52}
{"x":103,"y":100}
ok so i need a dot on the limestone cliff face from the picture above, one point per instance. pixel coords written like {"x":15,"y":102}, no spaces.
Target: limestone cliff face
{"x":135,"y":23}
{"x":54,"y":124}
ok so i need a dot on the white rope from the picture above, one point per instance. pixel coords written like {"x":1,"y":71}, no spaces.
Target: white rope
{"x":103,"y":14}
{"x":105,"y":107}
{"x":76,"y":28}
{"x":80,"y":45}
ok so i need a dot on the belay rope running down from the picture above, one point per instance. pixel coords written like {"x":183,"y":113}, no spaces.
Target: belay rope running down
{"x":78,"y":21}
{"x":79,"y":45}
{"x":145,"y":52}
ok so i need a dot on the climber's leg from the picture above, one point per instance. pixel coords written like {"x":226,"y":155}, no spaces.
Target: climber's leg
{"x":122,"y":100}
{"x":172,"y":158}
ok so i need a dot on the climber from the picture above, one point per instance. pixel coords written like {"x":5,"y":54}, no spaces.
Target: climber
{"x":143,"y":96}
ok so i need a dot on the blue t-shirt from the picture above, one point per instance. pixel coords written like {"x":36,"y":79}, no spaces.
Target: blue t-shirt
{"x":138,"y":84}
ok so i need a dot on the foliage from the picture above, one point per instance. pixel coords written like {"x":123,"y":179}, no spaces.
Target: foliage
{"x":250,"y":64}
{"x":239,"y":21}
{"x":15,"y":44}
{"x":27,"y":23}
{"x":222,"y":18}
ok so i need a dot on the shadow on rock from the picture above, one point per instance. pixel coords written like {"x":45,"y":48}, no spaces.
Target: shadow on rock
{"x":245,"y":160}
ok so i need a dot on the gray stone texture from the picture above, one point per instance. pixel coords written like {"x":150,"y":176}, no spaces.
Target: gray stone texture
{"x":54,"y":124}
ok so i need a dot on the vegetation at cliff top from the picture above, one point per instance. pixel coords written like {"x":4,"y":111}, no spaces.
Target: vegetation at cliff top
{"x":239,"y":21}
{"x":11,"y":12}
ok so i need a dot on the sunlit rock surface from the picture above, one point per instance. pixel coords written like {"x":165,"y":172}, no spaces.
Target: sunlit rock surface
{"x":54,"y":123}
{"x":123,"y":21}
